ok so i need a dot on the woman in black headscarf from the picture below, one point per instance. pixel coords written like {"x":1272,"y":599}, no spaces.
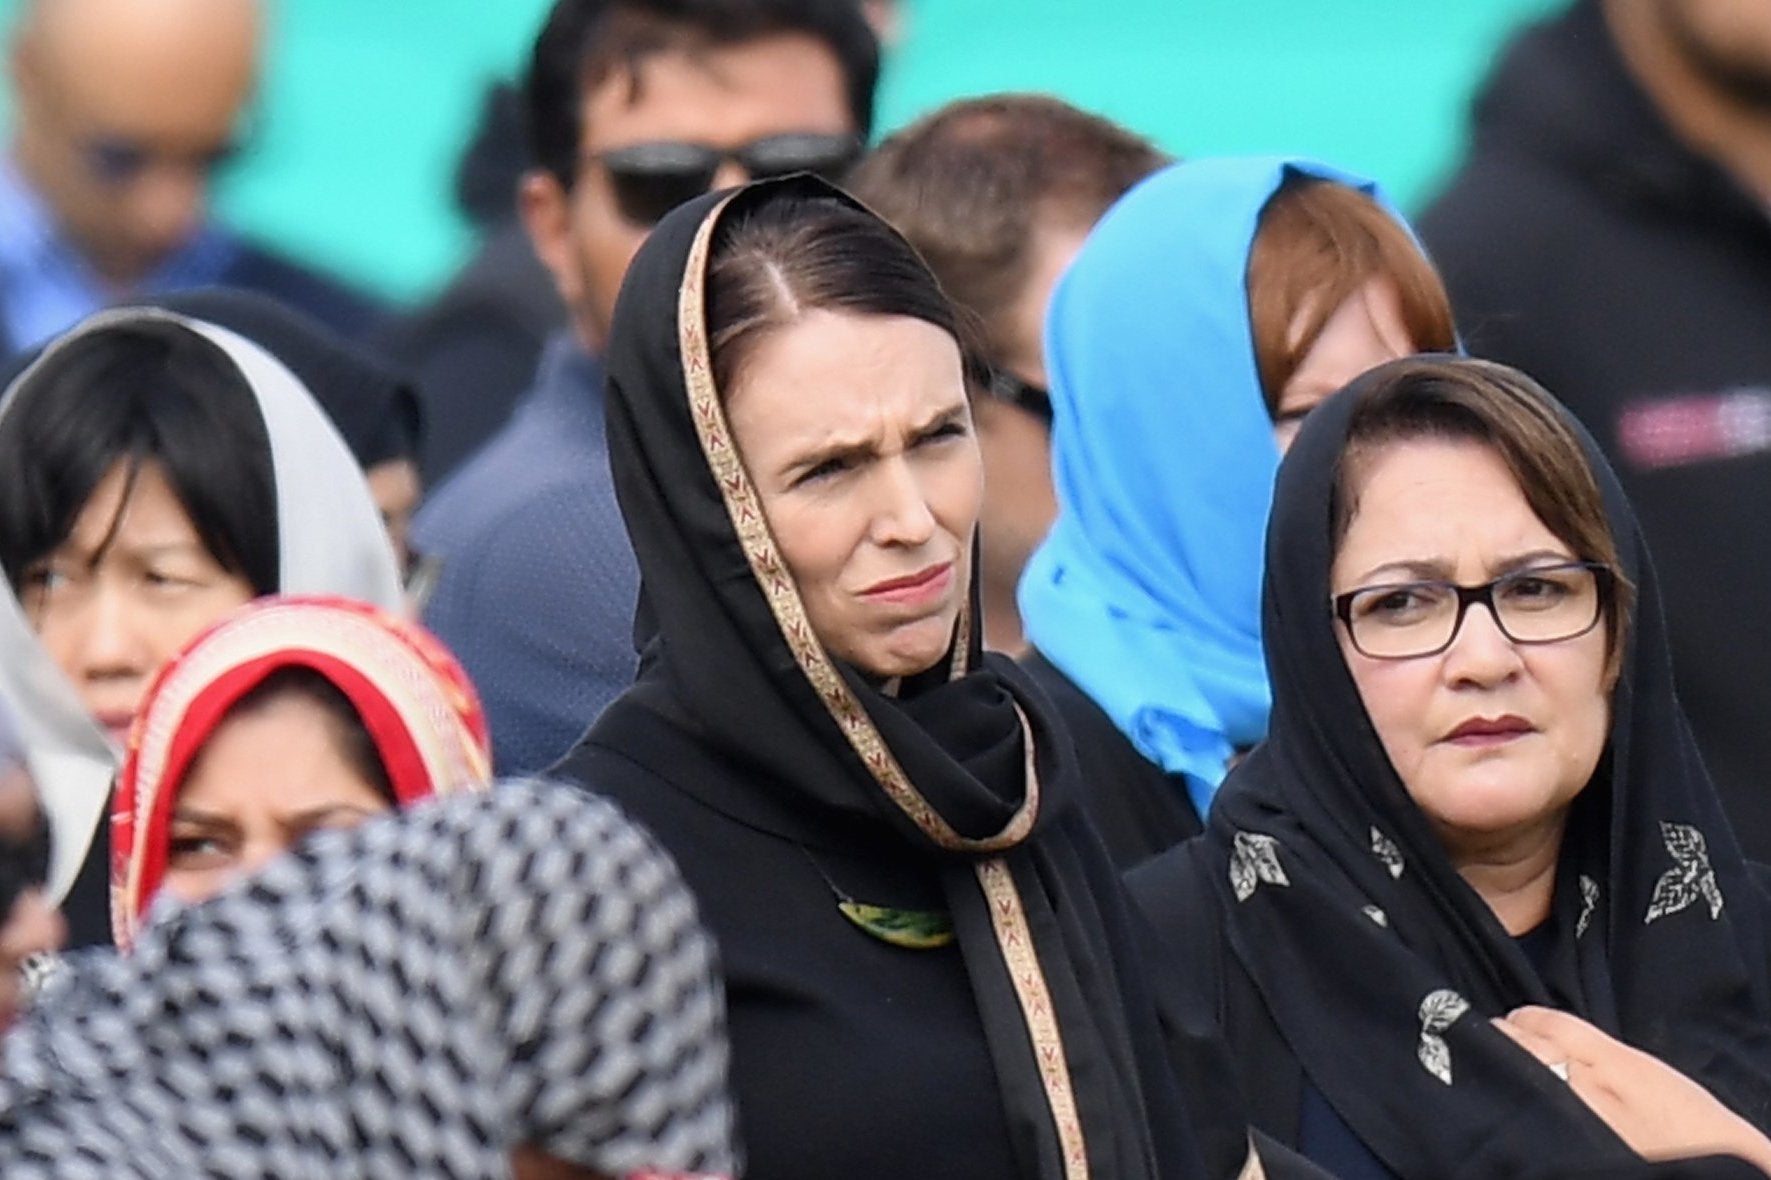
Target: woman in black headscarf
{"x":930,"y":965}
{"x":1474,"y":908}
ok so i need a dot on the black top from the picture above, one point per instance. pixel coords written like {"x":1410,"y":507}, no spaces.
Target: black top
{"x":1329,"y":922}
{"x":1138,"y":808}
{"x":1585,"y":243}
{"x":785,"y":783}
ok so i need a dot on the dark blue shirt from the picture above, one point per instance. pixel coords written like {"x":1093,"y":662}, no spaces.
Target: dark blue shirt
{"x":537,"y":579}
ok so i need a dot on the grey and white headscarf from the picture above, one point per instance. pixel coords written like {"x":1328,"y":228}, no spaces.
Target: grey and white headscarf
{"x":414,"y":998}
{"x":330,"y":541}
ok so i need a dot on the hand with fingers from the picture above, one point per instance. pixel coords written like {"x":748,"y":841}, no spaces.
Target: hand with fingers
{"x":1658,"y":1111}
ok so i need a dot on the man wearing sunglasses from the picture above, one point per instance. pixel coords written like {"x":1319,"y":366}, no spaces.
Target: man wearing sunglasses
{"x":998,"y":194}
{"x":634,"y":106}
{"x":124,"y":112}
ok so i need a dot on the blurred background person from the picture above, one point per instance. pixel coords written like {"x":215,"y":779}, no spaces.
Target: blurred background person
{"x":634,"y":106}
{"x":505,"y":983}
{"x":123,"y":112}
{"x":294,"y":714}
{"x":155,"y":473}
{"x":473,"y":347}
{"x":997,"y":194}
{"x":29,"y":924}
{"x":1207,"y":313}
{"x":1608,"y":234}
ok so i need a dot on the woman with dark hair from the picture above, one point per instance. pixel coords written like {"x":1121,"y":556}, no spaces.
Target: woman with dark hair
{"x":291,"y":715}
{"x":931,"y":968}
{"x":155,"y":472}
{"x":1473,"y":908}
{"x":1210,"y":308}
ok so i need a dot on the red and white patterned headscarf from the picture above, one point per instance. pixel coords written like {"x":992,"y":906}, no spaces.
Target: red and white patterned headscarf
{"x":415,"y":701}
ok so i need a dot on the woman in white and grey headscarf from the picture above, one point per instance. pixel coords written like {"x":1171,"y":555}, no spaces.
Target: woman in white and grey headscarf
{"x":509,"y":984}
{"x":155,"y":472}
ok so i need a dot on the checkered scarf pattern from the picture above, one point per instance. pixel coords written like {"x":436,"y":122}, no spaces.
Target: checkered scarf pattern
{"x":413,"y":998}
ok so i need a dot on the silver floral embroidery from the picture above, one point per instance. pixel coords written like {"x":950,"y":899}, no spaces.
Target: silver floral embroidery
{"x":1386,"y":851}
{"x":1690,"y":878}
{"x":1589,"y":901}
{"x":1376,"y":915}
{"x":1438,"y":1012}
{"x":1254,"y":860}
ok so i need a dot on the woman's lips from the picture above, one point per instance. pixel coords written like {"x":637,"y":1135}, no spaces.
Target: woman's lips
{"x":924,"y":586}
{"x":1489,"y":731}
{"x":116,"y":725}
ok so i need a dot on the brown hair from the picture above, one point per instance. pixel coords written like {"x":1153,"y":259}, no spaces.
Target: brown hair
{"x":790,"y":254}
{"x":1319,"y":241}
{"x":1461,"y":399}
{"x":969,"y":184}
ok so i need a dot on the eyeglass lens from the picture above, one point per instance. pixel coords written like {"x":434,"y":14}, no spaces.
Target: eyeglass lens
{"x":1407,"y":619}
{"x":651,"y":179}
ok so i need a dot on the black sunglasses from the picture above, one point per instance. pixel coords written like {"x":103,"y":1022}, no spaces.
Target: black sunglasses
{"x":651,"y":179}
{"x":1006,"y":387}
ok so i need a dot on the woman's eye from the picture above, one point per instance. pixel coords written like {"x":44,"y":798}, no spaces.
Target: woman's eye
{"x":822,"y":471}
{"x":1536,"y":590}
{"x":953,"y":428}
{"x":167,"y":580}
{"x":44,"y":578}
{"x":1400,"y":605}
{"x":196,"y":851}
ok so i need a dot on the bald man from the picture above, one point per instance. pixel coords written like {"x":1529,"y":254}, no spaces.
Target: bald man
{"x":124,"y":111}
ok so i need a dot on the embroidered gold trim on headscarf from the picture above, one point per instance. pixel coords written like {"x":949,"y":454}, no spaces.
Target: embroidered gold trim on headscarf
{"x":744,"y":507}
{"x":1016,"y":940}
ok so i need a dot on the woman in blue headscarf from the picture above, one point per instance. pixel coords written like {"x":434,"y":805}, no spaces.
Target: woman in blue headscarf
{"x":1212,"y":306}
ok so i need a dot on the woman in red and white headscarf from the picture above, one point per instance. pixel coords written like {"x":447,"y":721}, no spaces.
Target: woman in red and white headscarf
{"x":291,"y":715}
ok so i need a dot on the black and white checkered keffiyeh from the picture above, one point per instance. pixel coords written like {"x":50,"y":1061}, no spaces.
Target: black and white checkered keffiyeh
{"x":414,"y":998}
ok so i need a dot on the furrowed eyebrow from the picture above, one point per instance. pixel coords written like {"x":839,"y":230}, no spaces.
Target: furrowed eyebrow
{"x":861,"y":450}
{"x":1439,"y":569}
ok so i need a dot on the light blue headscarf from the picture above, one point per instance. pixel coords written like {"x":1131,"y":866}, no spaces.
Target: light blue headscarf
{"x":1147,"y":591}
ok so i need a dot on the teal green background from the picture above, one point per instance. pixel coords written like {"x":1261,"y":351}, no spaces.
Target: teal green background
{"x":366,"y":103}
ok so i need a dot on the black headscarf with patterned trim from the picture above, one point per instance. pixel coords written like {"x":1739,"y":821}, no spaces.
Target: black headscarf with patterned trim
{"x":965,"y":765}
{"x":1381,"y":967}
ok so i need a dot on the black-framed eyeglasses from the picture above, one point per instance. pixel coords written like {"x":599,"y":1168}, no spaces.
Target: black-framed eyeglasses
{"x":651,"y":179}
{"x":1036,"y":400}
{"x":1543,"y":604}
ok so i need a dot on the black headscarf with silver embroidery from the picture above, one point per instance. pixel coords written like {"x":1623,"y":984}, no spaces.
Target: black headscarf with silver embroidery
{"x":1381,"y":967}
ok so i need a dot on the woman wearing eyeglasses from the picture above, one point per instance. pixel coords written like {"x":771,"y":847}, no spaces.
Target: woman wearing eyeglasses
{"x":931,"y":967}
{"x":1210,"y":309}
{"x":1473,"y":909}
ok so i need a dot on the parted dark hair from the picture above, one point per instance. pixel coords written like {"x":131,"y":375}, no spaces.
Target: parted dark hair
{"x":1465,"y":400}
{"x":350,"y":735}
{"x":774,"y":262}
{"x":133,"y":394}
{"x":970,"y":183}
{"x":584,"y":42}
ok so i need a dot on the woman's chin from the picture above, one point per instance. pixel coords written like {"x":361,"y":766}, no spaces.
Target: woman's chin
{"x":905,"y":651}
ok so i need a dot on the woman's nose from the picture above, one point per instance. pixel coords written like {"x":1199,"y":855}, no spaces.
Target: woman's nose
{"x":1481,"y":652}
{"x":112,"y":640}
{"x":902,"y":515}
